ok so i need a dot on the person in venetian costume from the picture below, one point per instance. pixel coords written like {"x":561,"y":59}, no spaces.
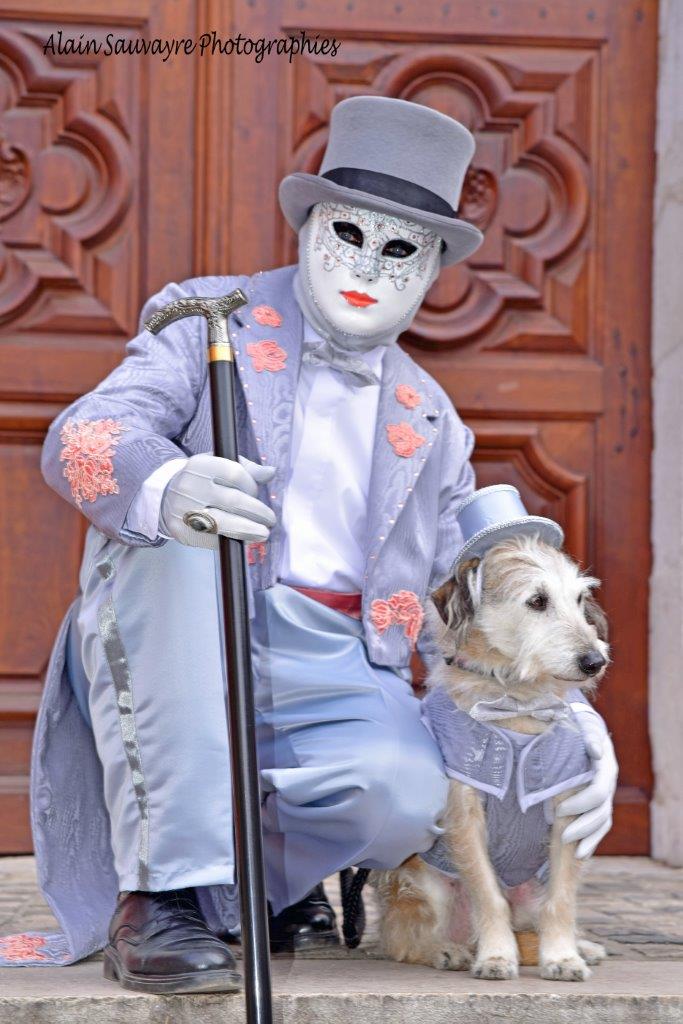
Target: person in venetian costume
{"x":353,"y":464}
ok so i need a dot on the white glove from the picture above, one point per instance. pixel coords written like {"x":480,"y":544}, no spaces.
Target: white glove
{"x":592,"y":804}
{"x":226,"y":491}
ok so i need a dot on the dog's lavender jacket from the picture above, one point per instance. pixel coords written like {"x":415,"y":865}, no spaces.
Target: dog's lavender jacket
{"x":516,"y":774}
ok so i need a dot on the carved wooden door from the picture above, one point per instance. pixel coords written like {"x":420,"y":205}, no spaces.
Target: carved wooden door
{"x":97,"y":211}
{"x":542,"y":340}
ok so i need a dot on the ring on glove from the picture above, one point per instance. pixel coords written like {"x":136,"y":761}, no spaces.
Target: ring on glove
{"x":202,"y":522}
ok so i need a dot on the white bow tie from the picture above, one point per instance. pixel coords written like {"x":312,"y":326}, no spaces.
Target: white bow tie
{"x":546,"y":708}
{"x":355,"y":369}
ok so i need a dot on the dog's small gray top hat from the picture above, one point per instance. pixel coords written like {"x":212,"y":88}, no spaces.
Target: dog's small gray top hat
{"x":494,"y":514}
{"x":397,"y":157}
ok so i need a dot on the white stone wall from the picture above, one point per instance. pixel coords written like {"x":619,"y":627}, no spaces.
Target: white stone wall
{"x":666,"y":604}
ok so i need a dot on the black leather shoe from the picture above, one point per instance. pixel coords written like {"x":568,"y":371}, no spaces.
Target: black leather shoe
{"x":159,"y":942}
{"x":309,"y":924}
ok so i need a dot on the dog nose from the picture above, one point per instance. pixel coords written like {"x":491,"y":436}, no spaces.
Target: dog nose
{"x":591,"y":662}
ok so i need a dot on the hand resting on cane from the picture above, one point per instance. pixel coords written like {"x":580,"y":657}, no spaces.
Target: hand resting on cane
{"x":226,"y":491}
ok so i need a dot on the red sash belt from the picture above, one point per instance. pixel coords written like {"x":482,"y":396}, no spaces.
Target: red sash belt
{"x":349,"y":604}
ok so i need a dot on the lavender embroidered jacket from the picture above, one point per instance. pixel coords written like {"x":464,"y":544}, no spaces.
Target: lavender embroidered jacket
{"x":155,"y":406}
{"x":516,"y":775}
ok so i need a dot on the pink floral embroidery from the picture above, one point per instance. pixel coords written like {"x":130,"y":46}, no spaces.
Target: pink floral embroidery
{"x":402,"y":609}
{"x":266,"y":355}
{"x":256,"y":552}
{"x":381,"y":615}
{"x":267,"y":316}
{"x":88,"y":450}
{"x":22,"y":947}
{"x":403,"y":439}
{"x":408,"y":396}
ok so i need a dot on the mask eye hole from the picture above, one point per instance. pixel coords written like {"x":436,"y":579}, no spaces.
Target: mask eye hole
{"x":539,"y":602}
{"x":399,"y":249}
{"x":349,"y":233}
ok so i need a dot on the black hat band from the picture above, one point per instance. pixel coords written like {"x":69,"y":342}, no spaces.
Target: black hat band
{"x":387,"y":186}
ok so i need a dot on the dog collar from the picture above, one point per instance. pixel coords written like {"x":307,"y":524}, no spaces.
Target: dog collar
{"x":477,"y":670}
{"x":468,"y":666}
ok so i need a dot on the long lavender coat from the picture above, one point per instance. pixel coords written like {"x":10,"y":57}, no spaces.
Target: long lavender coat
{"x":155,"y":406}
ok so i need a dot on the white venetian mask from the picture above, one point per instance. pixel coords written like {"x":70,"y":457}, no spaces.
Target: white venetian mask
{"x":367,"y":271}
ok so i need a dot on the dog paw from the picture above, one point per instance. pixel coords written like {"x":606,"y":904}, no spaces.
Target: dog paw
{"x":568,"y":968}
{"x":452,"y":957}
{"x":495,"y":968}
{"x":591,"y":952}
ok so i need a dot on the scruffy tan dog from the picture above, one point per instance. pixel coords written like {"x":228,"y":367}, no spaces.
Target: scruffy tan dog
{"x":517,"y":629}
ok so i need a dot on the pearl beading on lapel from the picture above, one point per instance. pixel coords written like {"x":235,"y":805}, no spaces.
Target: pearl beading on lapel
{"x":391,"y":519}
{"x":261,"y":359}
{"x":245,"y":386}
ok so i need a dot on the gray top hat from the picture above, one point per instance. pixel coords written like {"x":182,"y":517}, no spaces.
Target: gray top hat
{"x":394,"y":156}
{"x":494,"y":514}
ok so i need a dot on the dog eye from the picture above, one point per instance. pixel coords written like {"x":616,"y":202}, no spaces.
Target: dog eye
{"x":539,"y":602}
{"x":399,"y":249}
{"x":350,"y":233}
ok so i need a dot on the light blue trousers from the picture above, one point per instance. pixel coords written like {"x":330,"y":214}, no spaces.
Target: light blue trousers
{"x":349,"y":774}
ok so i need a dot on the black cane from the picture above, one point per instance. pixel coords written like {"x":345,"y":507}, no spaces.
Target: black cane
{"x":240,"y":688}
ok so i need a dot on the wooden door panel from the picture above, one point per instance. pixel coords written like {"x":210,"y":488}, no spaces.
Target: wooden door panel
{"x":120,"y":174}
{"x":542,"y":338}
{"x":94,"y":191}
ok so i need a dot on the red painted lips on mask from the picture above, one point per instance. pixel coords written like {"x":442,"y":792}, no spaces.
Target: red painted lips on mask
{"x":360,"y":299}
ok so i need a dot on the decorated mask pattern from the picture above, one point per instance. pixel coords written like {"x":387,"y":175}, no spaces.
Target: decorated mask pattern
{"x":365,"y":273}
{"x":378,"y":229}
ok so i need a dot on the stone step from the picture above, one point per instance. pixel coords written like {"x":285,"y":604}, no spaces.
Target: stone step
{"x":631,"y":904}
{"x":357,"y":991}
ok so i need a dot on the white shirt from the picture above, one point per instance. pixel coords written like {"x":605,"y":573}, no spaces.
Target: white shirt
{"x":324,"y":513}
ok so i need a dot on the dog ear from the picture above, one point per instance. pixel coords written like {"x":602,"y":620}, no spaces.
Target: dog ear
{"x":596,"y":617}
{"x":442,"y":597}
{"x":455,"y":599}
